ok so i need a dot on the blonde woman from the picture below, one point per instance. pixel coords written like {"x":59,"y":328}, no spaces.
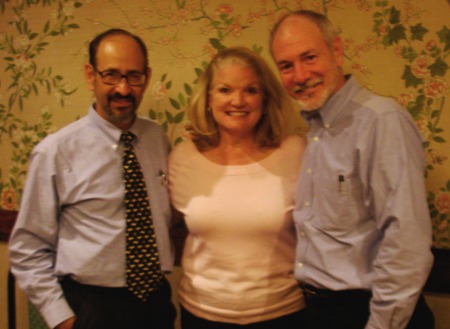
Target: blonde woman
{"x":233,"y":181}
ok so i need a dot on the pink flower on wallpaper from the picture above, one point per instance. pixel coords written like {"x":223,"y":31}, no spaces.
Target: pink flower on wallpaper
{"x":436,"y":88}
{"x":431,"y":45}
{"x":443,"y":225}
{"x":405,"y":98}
{"x":236,"y":29}
{"x":22,"y":61}
{"x":420,"y":66}
{"x":443,"y":202}
{"x":159,"y":90}
{"x":9,"y":198}
{"x":382,"y":29}
{"x":422,"y":125}
{"x":22,"y":42}
{"x":224,"y":9}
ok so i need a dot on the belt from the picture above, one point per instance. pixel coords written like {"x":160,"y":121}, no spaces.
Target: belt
{"x":311,"y":291}
{"x":112,"y":291}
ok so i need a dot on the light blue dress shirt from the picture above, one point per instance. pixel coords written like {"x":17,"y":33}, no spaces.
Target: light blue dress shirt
{"x":72,"y":215}
{"x":361,"y":211}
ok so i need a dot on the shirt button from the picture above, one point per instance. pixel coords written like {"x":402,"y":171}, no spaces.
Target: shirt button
{"x":309,"y":171}
{"x":307,"y":203}
{"x":327,"y":125}
{"x":315,"y":139}
{"x":302,"y":233}
{"x":299,"y":265}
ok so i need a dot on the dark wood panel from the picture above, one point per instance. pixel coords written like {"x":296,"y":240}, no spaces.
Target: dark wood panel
{"x":439,"y":280}
{"x":7,"y":220}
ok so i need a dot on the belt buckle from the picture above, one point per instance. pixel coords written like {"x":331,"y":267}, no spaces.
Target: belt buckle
{"x":308,"y":290}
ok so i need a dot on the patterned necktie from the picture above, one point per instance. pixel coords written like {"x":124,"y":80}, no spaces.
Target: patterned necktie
{"x":143,"y":268}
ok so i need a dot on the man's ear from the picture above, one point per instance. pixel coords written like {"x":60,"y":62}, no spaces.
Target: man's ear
{"x":338,"y":50}
{"x":149,"y":76}
{"x":89,"y":74}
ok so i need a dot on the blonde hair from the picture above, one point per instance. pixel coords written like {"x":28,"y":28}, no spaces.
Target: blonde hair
{"x":276,"y":122}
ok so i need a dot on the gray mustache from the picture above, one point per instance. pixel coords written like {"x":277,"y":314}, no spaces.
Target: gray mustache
{"x":309,"y":84}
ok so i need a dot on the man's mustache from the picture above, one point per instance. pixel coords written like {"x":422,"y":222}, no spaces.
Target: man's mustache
{"x":118,"y":97}
{"x":304,"y":86}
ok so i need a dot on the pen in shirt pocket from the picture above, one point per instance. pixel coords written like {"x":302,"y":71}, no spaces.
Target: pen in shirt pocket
{"x":341,"y":182}
{"x":163,"y":178}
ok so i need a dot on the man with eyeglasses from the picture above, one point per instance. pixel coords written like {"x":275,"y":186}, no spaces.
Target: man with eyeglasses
{"x":68,"y":248}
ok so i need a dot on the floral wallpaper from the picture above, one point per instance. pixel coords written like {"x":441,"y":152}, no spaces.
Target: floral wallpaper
{"x":397,"y":48}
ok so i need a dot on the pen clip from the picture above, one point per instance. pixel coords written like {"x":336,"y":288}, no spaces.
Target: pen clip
{"x":163,"y":178}
{"x":341,"y":181}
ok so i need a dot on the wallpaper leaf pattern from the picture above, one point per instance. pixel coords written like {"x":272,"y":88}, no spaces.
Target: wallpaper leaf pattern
{"x":38,"y":94}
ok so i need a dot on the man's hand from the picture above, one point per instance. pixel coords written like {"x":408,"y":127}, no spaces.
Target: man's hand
{"x":66,"y":324}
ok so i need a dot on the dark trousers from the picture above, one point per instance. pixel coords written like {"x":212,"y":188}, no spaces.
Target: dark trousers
{"x":291,"y":321}
{"x":349,"y":309}
{"x":117,"y":308}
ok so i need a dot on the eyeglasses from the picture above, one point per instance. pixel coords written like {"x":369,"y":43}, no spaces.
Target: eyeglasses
{"x":113,"y":77}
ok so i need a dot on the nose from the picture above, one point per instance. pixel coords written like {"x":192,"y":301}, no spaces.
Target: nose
{"x":301,"y":73}
{"x":123,"y":87}
{"x":238,"y":99}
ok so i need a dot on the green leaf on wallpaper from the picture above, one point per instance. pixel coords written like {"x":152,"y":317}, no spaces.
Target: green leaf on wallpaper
{"x":409,"y":53}
{"x":410,"y":78}
{"x":394,"y":16}
{"x":417,"y":106}
{"x":397,"y":34}
{"x":181,"y":3}
{"x":181,"y":100}
{"x":438,"y":68}
{"x":169,"y":84}
{"x":444,"y":37}
{"x":35,"y":89}
{"x":216,"y":44}
{"x":434,"y":213}
{"x":46,"y":27}
{"x":381,"y":3}
{"x":169,"y":117}
{"x":438,"y":139}
{"x":179,"y":117}
{"x":448,"y":185}
{"x":188,"y":89}
{"x":174,"y":103}
{"x":198,"y":71}
{"x":152,"y":114}
{"x":178,"y":140}
{"x":418,"y":32}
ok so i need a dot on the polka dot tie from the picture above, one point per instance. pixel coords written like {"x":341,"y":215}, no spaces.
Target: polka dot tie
{"x":143,"y":267}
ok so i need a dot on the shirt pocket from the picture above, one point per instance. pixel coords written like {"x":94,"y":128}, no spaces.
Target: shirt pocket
{"x":339,"y":203}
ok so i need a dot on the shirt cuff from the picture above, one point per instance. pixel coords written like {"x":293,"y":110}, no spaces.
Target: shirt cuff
{"x":57,"y":312}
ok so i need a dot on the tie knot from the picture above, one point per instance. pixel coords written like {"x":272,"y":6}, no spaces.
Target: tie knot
{"x":311,"y":115}
{"x":127,"y":138}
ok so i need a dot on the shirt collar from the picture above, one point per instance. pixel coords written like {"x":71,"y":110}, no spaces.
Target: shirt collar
{"x":112,"y":132}
{"x":335,"y":105}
